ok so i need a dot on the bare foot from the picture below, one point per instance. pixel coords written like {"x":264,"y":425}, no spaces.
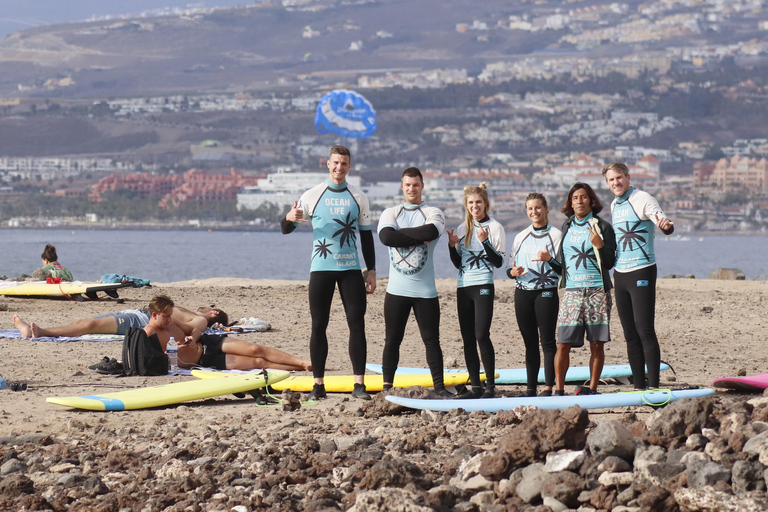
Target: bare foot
{"x":35,"y":329}
{"x":307,"y":365}
{"x":21,"y":325}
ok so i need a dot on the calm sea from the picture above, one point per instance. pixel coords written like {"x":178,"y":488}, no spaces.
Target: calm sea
{"x":167,"y":256}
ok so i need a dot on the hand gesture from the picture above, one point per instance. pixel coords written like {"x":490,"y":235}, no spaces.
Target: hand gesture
{"x":516,"y":271}
{"x":452,"y":238}
{"x":542,"y":256}
{"x":663,"y":223}
{"x":296,"y":214}
{"x":594,"y":237}
{"x":482,"y":234}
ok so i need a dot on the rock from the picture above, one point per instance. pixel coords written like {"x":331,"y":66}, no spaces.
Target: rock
{"x":682,"y":418}
{"x":758,"y":445}
{"x":747,"y":476}
{"x":611,"y":438}
{"x":468,"y":477}
{"x":529,"y":488}
{"x":554,"y":505}
{"x":392,"y":473}
{"x":709,"y":499}
{"x":564,"y":461}
{"x":15,"y":485}
{"x":705,"y":473}
{"x":564,"y":486}
{"x":727,"y":273}
{"x":483,"y":498}
{"x":616,"y":479}
{"x":12,"y":466}
{"x":540,"y":432}
{"x":390,"y":500}
{"x":614,"y":464}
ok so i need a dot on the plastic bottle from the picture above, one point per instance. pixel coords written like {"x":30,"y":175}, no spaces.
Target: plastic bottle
{"x":3,"y":384}
{"x":172,"y":349}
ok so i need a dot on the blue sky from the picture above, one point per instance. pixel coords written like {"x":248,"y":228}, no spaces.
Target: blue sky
{"x":18,"y":15}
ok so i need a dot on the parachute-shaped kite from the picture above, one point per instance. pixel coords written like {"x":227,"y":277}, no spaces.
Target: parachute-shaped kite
{"x":346,"y":113}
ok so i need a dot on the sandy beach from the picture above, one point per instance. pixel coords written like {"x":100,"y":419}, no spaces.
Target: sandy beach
{"x":707,"y":329}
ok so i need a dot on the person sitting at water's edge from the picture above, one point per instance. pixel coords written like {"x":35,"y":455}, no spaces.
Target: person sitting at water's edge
{"x":51,"y":266}
{"x":121,"y":321}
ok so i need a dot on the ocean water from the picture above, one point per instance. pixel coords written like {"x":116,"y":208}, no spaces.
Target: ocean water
{"x":167,"y":256}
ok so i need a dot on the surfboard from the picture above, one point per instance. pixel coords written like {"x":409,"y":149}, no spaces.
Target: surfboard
{"x":752,"y":383}
{"x":76,"y":290}
{"x":346,"y":383}
{"x":168,"y":394}
{"x":623,"y":399}
{"x":519,"y":375}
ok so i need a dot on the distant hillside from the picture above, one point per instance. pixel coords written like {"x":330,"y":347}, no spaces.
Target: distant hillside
{"x":252,"y":47}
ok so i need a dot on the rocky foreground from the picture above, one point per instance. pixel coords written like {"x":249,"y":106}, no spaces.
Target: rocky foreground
{"x":696,"y":454}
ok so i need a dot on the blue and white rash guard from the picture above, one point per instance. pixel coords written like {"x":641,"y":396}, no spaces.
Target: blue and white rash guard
{"x":475,"y":267}
{"x":634,"y":217}
{"x":412,"y":269}
{"x":579,"y":260}
{"x":525,"y":248}
{"x":337,"y":211}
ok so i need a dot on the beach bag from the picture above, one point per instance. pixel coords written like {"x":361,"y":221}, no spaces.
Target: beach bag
{"x":142,"y":355}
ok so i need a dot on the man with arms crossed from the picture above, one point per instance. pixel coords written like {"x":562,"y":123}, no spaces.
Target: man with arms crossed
{"x":336,"y":210}
{"x":411,"y":231}
{"x":634,"y":214}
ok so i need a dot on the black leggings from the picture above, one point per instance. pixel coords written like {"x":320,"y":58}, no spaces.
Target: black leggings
{"x":427,"y":313}
{"x":636,"y":303}
{"x":322,"y":285}
{"x":475,"y":306}
{"x":536,"y":312}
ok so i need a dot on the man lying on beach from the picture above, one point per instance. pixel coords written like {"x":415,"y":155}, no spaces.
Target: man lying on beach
{"x":213,"y":350}
{"x":119,"y":323}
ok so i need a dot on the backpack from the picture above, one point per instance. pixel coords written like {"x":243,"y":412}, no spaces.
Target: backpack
{"x":142,"y":355}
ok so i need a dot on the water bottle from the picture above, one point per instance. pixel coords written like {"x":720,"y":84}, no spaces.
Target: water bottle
{"x":172,"y":350}
{"x":3,"y":384}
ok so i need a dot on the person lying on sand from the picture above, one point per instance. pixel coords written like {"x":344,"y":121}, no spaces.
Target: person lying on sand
{"x":121,"y":321}
{"x":213,"y":350}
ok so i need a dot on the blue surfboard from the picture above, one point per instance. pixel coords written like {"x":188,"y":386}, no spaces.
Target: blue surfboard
{"x":519,"y":376}
{"x":653,"y":398}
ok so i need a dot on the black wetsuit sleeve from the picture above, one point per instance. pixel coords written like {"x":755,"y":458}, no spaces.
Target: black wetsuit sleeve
{"x":608,"y":251}
{"x":455,"y":256}
{"x":494,"y":257}
{"x":366,"y":244}
{"x":286,"y":226}
{"x":391,"y":237}
{"x":425,"y":233}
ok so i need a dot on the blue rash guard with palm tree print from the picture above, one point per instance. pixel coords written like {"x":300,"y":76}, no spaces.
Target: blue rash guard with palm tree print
{"x":336,"y":212}
{"x":579,"y":260}
{"x":634,"y":217}
{"x":538,"y":274}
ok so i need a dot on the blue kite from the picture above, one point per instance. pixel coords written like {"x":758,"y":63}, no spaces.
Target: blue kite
{"x":345,"y":113}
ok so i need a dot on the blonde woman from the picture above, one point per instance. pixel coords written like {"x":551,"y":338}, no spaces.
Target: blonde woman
{"x":476,"y":248}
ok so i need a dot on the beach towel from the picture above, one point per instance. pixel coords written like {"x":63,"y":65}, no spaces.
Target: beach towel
{"x":15,"y":334}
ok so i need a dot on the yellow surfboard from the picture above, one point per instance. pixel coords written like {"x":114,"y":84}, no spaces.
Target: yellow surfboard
{"x":168,"y":394}
{"x":76,"y":290}
{"x":346,"y":383}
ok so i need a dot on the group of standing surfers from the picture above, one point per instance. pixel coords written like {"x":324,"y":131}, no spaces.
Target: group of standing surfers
{"x":576,"y":257}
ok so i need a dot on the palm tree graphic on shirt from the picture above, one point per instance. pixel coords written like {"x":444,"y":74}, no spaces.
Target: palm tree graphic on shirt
{"x":323,"y":248}
{"x":542,"y":278}
{"x":476,"y":259}
{"x":347,"y":230}
{"x":584,"y":256}
{"x":632,"y":236}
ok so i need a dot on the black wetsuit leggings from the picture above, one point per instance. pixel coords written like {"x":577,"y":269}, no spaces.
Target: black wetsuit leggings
{"x":475,"y":307}
{"x":635,"y":294}
{"x":536,"y":312}
{"x":397,"y":309}
{"x":322,"y":285}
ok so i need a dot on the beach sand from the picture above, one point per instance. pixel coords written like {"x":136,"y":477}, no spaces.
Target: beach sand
{"x":707,"y":329}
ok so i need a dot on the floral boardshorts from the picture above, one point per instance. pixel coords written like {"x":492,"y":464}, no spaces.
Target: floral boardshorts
{"x":584,"y":310}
